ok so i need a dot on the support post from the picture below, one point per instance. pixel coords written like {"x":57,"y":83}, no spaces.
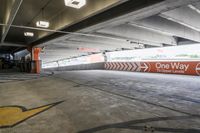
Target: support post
{"x":36,"y":63}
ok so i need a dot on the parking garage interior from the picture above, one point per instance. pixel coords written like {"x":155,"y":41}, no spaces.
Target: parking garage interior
{"x":99,"y":66}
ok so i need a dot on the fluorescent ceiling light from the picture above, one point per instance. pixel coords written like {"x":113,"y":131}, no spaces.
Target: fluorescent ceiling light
{"x":29,"y":34}
{"x":42,"y":24}
{"x":194,"y":8}
{"x":75,"y":3}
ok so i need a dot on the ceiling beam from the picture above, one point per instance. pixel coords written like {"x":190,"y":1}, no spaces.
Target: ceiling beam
{"x":185,"y":16}
{"x":100,"y":46}
{"x":194,"y":7}
{"x":134,"y":43}
{"x":166,"y":27}
{"x":100,"y":41}
{"x":96,"y":38}
{"x":12,"y":45}
{"x":139,"y":35}
{"x":13,"y":12}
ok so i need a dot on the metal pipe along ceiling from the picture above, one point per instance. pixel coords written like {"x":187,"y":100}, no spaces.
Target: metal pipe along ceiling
{"x":63,"y":32}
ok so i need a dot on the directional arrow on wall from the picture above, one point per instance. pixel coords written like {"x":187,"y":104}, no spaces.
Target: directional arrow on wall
{"x":144,"y":67}
{"x":127,"y":66}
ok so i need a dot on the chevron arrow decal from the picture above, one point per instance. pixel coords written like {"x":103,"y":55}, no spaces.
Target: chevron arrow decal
{"x":127,"y":66}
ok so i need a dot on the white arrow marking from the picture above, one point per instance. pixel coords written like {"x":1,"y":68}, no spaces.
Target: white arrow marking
{"x":145,"y":67}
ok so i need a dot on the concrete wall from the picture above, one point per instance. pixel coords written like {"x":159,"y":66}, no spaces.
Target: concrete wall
{"x":170,"y":67}
{"x":93,"y":66}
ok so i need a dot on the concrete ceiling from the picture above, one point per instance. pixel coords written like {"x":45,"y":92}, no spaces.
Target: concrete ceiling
{"x":143,"y":28}
{"x":106,"y":25}
{"x":55,"y":12}
{"x":20,"y":16}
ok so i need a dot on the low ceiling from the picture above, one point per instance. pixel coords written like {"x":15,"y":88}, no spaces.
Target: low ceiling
{"x":59,"y":16}
{"x":104,"y":25}
{"x":53,"y":11}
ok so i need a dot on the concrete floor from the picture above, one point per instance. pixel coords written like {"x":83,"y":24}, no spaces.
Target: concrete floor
{"x":13,"y":75}
{"x":105,"y":102}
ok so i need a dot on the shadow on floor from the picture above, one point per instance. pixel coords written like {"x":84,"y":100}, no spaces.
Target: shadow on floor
{"x":130,"y":125}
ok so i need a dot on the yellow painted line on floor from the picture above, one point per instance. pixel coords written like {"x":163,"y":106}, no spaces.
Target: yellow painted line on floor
{"x":13,"y":115}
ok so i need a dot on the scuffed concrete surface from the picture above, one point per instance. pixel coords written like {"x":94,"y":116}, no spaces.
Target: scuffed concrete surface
{"x":107,"y":102}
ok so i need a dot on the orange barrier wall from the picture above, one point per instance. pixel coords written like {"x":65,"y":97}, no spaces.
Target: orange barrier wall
{"x":168,"y":67}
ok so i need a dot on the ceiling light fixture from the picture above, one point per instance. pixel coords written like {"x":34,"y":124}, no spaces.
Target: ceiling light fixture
{"x":29,"y":34}
{"x":42,"y":24}
{"x":75,"y":3}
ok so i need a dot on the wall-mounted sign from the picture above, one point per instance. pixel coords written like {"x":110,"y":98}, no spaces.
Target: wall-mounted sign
{"x":169,"y":67}
{"x":187,"y":68}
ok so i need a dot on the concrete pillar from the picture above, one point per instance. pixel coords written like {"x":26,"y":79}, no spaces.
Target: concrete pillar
{"x":36,"y":63}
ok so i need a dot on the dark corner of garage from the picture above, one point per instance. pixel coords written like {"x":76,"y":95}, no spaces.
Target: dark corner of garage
{"x":99,"y":66}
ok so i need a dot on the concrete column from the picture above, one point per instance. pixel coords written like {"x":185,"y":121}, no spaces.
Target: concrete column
{"x":36,"y":63}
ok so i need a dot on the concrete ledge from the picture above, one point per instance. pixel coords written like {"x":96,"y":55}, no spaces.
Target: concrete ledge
{"x":93,"y":66}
